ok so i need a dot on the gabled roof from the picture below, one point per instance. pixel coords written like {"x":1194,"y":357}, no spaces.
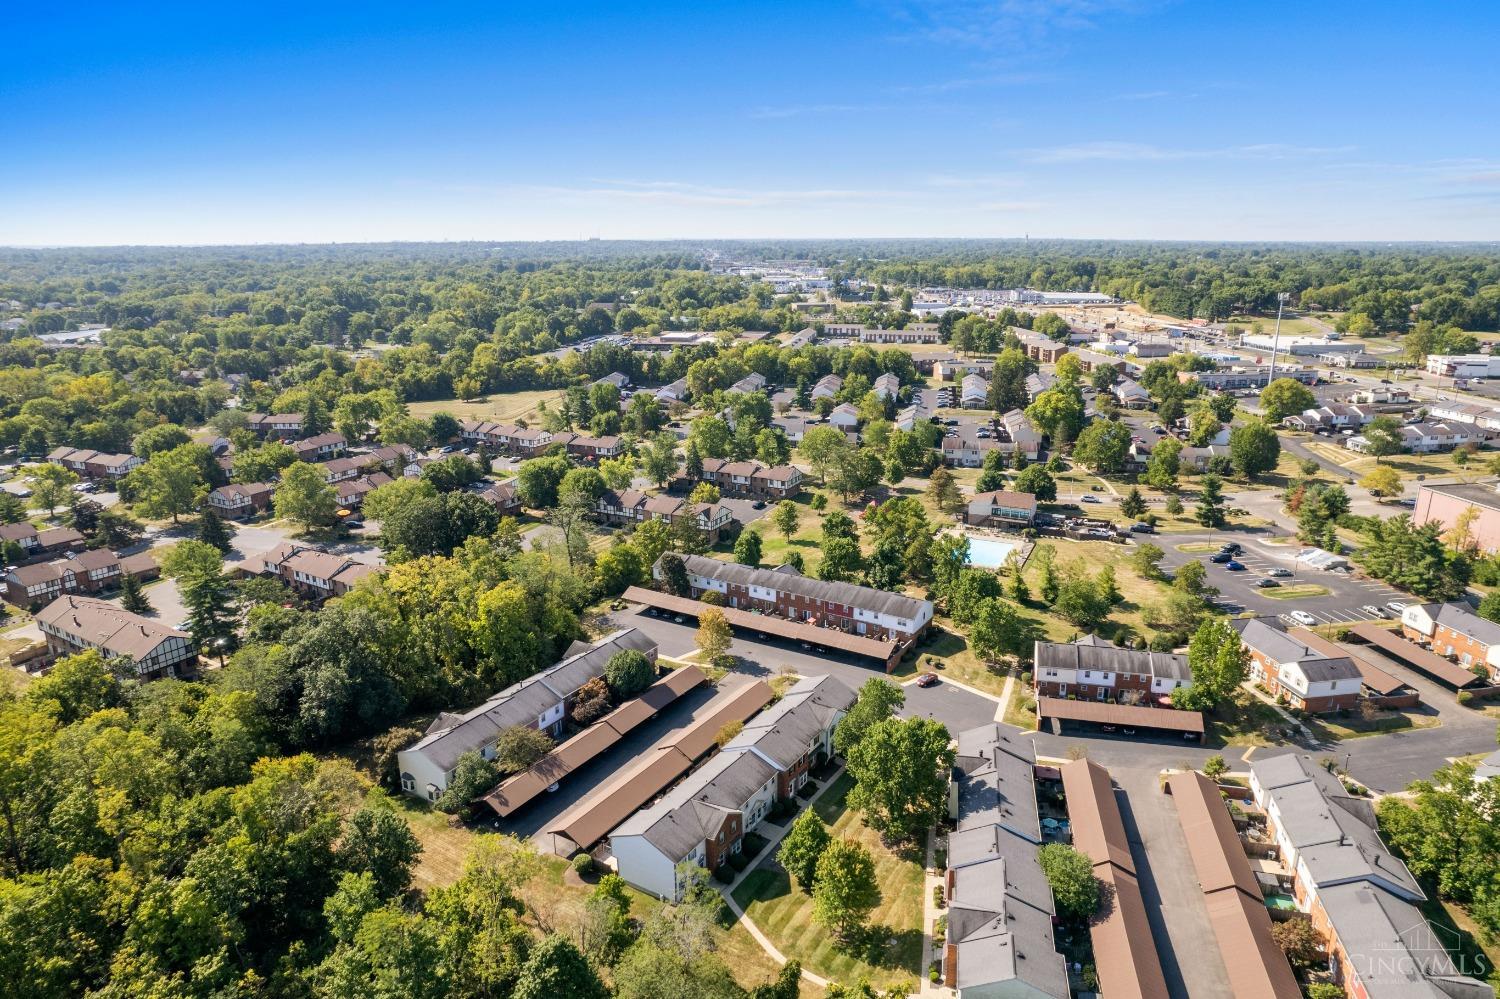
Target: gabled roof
{"x":783,"y":733}
{"x":116,"y":632}
{"x":1111,"y":658}
{"x":847,"y":594}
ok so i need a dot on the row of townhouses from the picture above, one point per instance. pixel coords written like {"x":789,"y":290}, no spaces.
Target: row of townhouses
{"x":751,"y":478}
{"x":631,"y":506}
{"x":1093,"y":668}
{"x":85,"y":572}
{"x":541,"y":702}
{"x":309,"y":571}
{"x":524,"y":442}
{"x":73,"y":624}
{"x":1429,"y":436}
{"x":705,"y":817}
{"x":1286,"y":667}
{"x":95,"y":464}
{"x":1455,"y":631}
{"x":860,"y":610}
{"x":35,"y":543}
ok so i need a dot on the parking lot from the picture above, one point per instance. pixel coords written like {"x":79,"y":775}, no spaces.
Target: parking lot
{"x":1347,"y":593}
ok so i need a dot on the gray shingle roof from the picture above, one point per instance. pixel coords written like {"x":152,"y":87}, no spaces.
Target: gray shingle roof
{"x":848,"y":594}
{"x":783,"y":731}
{"x":1110,"y":658}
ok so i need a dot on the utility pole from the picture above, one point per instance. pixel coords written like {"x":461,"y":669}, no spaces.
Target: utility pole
{"x":1281,"y":297}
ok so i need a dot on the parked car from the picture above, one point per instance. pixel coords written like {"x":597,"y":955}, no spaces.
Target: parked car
{"x":1266,"y":584}
{"x":1232,"y":548}
{"x":1303,"y":617}
{"x":758,"y":505}
{"x":1090,"y":499}
{"x":1221,"y":558}
{"x":1234,"y":566}
{"x":927,"y":680}
{"x":1374,"y":611}
{"x":1143,"y":528}
{"x":1279,"y":572}
{"x":1397,"y":606}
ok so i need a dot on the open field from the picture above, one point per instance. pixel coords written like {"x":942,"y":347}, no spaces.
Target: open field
{"x":893,"y":950}
{"x":502,"y":407}
{"x":1406,"y":464}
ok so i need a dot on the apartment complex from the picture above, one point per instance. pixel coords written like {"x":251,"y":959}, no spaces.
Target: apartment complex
{"x":241,"y":501}
{"x":1093,"y":668}
{"x":786,"y":593}
{"x":999,"y":939}
{"x":704,"y":819}
{"x":86,"y":572}
{"x":74,"y":624}
{"x":751,"y":478}
{"x":540,"y":702}
{"x":36,"y":543}
{"x":1362,"y":900}
{"x":1288,"y":668}
{"x":311,"y":571}
{"x":631,"y":506}
{"x":587,"y":447}
{"x":95,"y":464}
{"x":523,"y":442}
{"x":1455,"y":631}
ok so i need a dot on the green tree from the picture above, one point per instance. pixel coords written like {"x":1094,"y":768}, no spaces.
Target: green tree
{"x":1164,"y":464}
{"x":473,"y":775}
{"x":1036,"y":480}
{"x":1382,"y":481}
{"x":1104,"y":446}
{"x":747,"y":548}
{"x":800,"y":849}
{"x":845,"y":891}
{"x":213,"y":531}
{"x":132,"y":596}
{"x":1070,"y":874}
{"x":900,"y":771}
{"x":1146,"y":560}
{"x":1210,"y":511}
{"x":823,"y":446}
{"x":1383,"y":437}
{"x":556,"y":968}
{"x":305,"y":497}
{"x":1082,"y":601}
{"x":942,"y":489}
{"x":998,"y":631}
{"x":192,"y":558}
{"x":659,"y":460}
{"x":714,"y":634}
{"x":1254,"y":448}
{"x":842,"y":559}
{"x":51,"y":486}
{"x":377,"y":841}
{"x":538,"y":480}
{"x":1285,"y":397}
{"x":878,"y":700}
{"x":210,"y":606}
{"x":1219,"y":664}
{"x":628,"y":673}
{"x":170,"y":483}
{"x":785,"y":518}
{"x":1133,"y":504}
{"x":519,"y":746}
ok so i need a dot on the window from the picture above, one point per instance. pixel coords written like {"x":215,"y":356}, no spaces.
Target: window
{"x":408,"y":782}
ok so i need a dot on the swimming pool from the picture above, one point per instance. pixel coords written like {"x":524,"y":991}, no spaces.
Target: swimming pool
{"x":989,"y":553}
{"x":1285,"y":902}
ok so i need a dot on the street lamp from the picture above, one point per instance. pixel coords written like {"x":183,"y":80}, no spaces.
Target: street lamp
{"x":1281,"y":298}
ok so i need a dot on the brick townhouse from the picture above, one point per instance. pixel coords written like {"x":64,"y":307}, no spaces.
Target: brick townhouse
{"x":74,"y":624}
{"x":95,"y":464}
{"x":351,"y":493}
{"x":1091,"y":668}
{"x":321,"y":447}
{"x":504,"y":497}
{"x":751,"y":478}
{"x":860,"y":610}
{"x":630,"y":506}
{"x":340,"y":469}
{"x":286,"y":426}
{"x":37,"y":543}
{"x":241,"y":501}
{"x":514,"y":440}
{"x":86,"y":572}
{"x":311,"y":571}
{"x":1286,"y":667}
{"x":1455,"y":631}
{"x":589,"y":448}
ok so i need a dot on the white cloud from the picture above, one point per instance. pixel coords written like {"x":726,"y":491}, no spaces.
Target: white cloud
{"x":1012,"y":206}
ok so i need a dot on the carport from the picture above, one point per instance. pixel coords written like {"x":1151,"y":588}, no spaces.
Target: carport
{"x":1123,"y":715}
{"x":1448,"y":673}
{"x":1378,"y":680}
{"x":886,"y":652}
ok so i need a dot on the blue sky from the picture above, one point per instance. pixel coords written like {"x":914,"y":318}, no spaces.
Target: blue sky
{"x":317,"y":122}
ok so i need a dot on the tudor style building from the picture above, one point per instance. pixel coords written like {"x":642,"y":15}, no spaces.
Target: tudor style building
{"x":751,"y":478}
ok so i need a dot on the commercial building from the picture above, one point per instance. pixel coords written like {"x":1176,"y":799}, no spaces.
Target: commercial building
{"x":1464,"y":365}
{"x":1093,"y":668}
{"x":1477,"y":504}
{"x":1287,"y":668}
{"x":540,"y":702}
{"x":860,"y":610}
{"x":703,"y":820}
{"x":73,"y":624}
{"x":1361,"y":899}
{"x":999,"y":939}
{"x":1256,"y":377}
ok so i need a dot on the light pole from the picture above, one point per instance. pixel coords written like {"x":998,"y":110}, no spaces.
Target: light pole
{"x":1281,"y":297}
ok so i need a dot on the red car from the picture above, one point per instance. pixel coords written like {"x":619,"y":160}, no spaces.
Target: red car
{"x":927,"y":680}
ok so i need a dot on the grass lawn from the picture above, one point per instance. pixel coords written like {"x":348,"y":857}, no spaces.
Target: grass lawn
{"x":1463,"y":938}
{"x":954,"y":659}
{"x":502,"y":407}
{"x":1244,"y":721}
{"x":1355,"y":727}
{"x":1016,"y":712}
{"x":1295,"y":592}
{"x":1198,"y":547}
{"x":784,"y":914}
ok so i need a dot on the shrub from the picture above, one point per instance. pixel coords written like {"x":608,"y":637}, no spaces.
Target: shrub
{"x":713,"y":598}
{"x":723,"y":874}
{"x":1026,"y":676}
{"x":739,"y":861}
{"x":932,"y":976}
{"x":1465,"y":698}
{"x":938,"y":897}
{"x":583,"y":864}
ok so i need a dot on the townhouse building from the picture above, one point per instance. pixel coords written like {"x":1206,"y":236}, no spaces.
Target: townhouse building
{"x":311,"y":572}
{"x":36,"y":543}
{"x":675,"y":391}
{"x":1333,"y":416}
{"x":999,"y":939}
{"x":341,"y":469}
{"x":86,"y":572}
{"x":845,"y":417}
{"x":394,"y":459}
{"x":1039,"y":348}
{"x":1455,"y":411}
{"x":1428,"y":437}
{"x":887,"y":386}
{"x":1001,"y":508}
{"x":1038,"y":382}
{"x":794,"y":427}
{"x":1129,"y":393}
{"x":514,"y":440}
{"x":72,"y":624}
{"x":241,"y":501}
{"x":589,"y":448}
{"x":1455,"y":631}
{"x":860,"y":610}
{"x":618,"y":379}
{"x":285,"y":426}
{"x":631,"y":506}
{"x":974,"y":392}
{"x":915,"y":333}
{"x":753,"y":382}
{"x":1287,"y":668}
{"x":703,"y":820}
{"x":952,"y":368}
{"x":95,"y":464}
{"x":826,"y":388}
{"x":966,"y":451}
{"x":1363,"y":901}
{"x":541,"y":701}
{"x":351,"y":493}
{"x":320,"y":447}
{"x":1093,"y":668}
{"x":751,"y":478}
{"x":504,"y":497}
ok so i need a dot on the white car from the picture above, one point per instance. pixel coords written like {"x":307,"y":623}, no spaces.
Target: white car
{"x":1372,"y":610}
{"x":1304,"y":618}
{"x":1397,"y":606}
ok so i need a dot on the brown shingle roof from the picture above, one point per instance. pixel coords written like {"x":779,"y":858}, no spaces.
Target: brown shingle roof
{"x":1119,"y":714}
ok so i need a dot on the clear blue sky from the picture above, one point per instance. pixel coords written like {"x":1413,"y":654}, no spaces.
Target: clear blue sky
{"x":315,"y":122}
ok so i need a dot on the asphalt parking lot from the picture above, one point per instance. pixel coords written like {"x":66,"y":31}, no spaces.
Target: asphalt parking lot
{"x":1347,"y":592}
{"x":954,"y":706}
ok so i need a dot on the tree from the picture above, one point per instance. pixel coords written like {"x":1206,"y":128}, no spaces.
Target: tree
{"x":1133,"y":504}
{"x":900,"y":770}
{"x":628,"y":673}
{"x":132,"y":596}
{"x":1383,"y":437}
{"x":878,"y":700}
{"x":1254,"y":448}
{"x":704,"y":492}
{"x":209,"y":603}
{"x":1297,"y":939}
{"x":1415,"y":558}
{"x":51,"y":486}
{"x":170,"y":483}
{"x":659,"y":459}
{"x":714,"y":634}
{"x":1082,"y":601}
{"x":304,"y":496}
{"x":1219,"y":663}
{"x":804,"y":843}
{"x":538,"y":480}
{"x":162,"y":437}
{"x":1036,"y":480}
{"x":1190,"y":579}
{"x":1164,"y":464}
{"x":998,"y":631}
{"x":1285,"y":397}
{"x":787,"y":984}
{"x":519,"y":746}
{"x":822,"y":446}
{"x":747,"y":548}
{"x":192,"y":558}
{"x":583,"y":485}
{"x":1383,"y":481}
{"x":377,"y":841}
{"x":942,"y":489}
{"x":785,"y":518}
{"x":856,"y":471}
{"x":1104,"y":446}
{"x":1214,"y":767}
{"x":841,"y":559}
{"x":1075,"y":890}
{"x":473,"y":775}
{"x":556,"y":968}
{"x":1210,"y":512}
{"x":1058,"y":412}
{"x":605,"y":928}
{"x":844,"y":888}
{"x":213,"y":531}
{"x":674,"y":577}
{"x":1146,"y":560}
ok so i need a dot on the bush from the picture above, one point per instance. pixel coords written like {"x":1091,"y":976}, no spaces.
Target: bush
{"x":752,"y":844}
{"x":938,"y":897}
{"x":739,"y":861}
{"x":1465,"y":698}
{"x":819,"y":501}
{"x":1026,"y":676}
{"x":583,"y":864}
{"x":724,"y":874}
{"x":932,"y":976}
{"x":713,"y":598}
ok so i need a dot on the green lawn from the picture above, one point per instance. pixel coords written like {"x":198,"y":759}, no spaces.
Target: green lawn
{"x":1355,"y":727}
{"x":1296,"y":591}
{"x":1244,"y":721}
{"x":502,"y":407}
{"x":784,"y":914}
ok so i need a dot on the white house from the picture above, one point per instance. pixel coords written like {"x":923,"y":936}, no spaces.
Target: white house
{"x":887,"y":386}
{"x":845,"y":417}
{"x":974,"y":393}
{"x":827,"y":387}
